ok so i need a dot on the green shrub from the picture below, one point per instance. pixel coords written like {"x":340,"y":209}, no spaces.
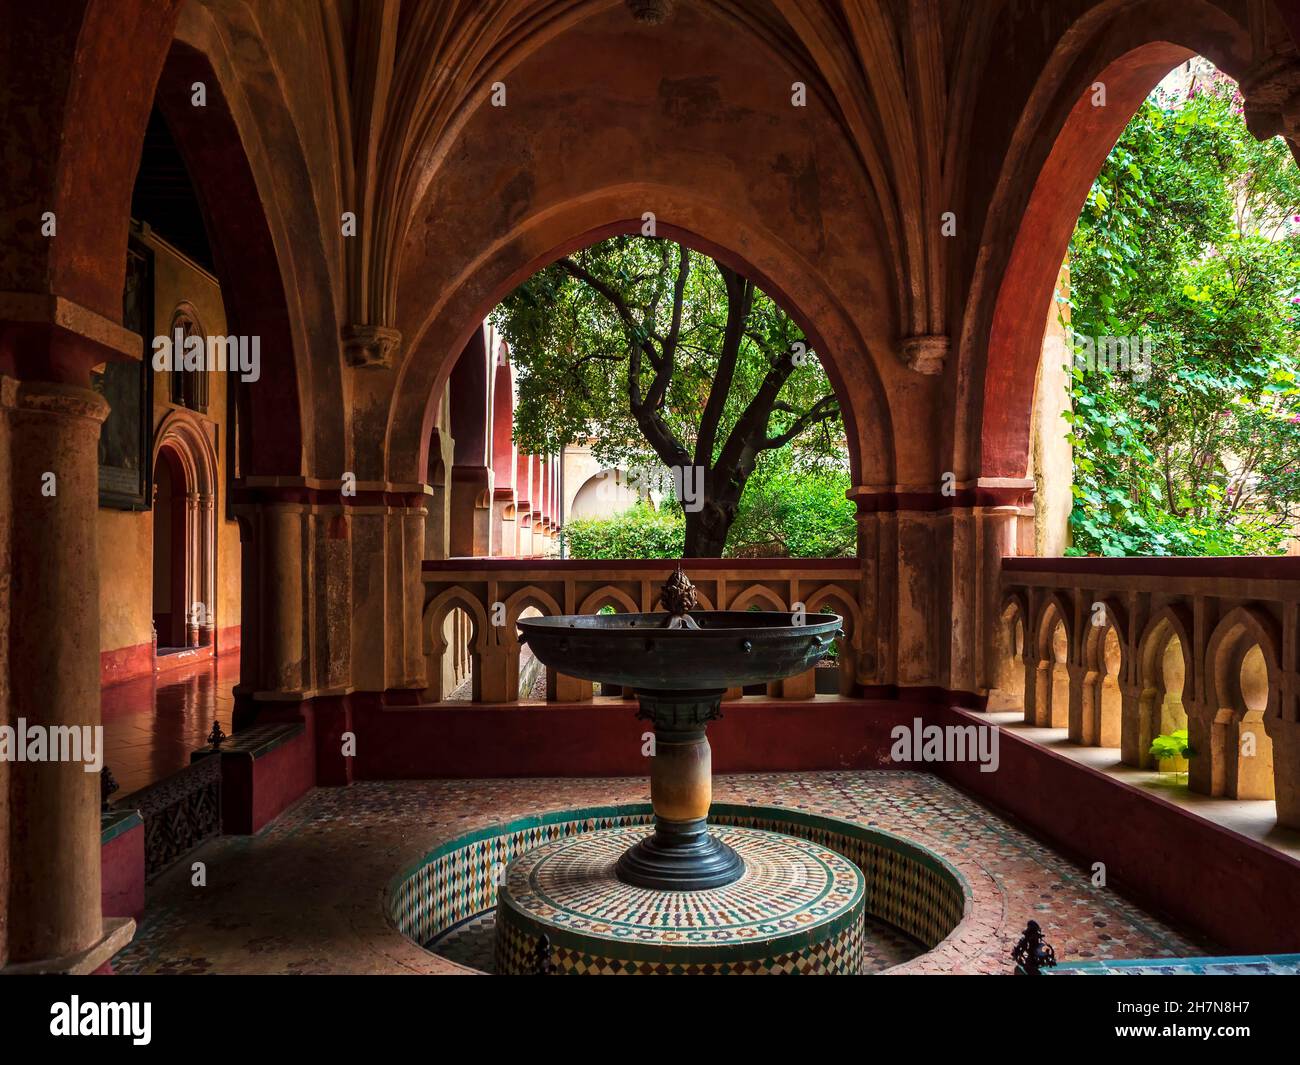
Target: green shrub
{"x":638,"y":532}
{"x":1173,"y":745}
{"x":795,"y":513}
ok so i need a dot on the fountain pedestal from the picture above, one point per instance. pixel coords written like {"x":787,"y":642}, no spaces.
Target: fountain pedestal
{"x":681,"y":855}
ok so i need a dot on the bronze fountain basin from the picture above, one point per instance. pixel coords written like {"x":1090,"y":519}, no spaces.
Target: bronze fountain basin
{"x":680,"y":665}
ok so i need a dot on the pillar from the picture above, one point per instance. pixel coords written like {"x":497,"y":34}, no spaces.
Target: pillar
{"x":1080,"y":717}
{"x":208,"y":568}
{"x":1201,"y":769}
{"x":997,"y":541}
{"x":1130,"y":724}
{"x":470,"y":517}
{"x":1286,"y":769}
{"x":54,"y":920}
{"x":194,"y":562}
{"x":272,"y":654}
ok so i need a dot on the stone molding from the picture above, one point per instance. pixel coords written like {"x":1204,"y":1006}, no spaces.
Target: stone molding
{"x":370,"y":345}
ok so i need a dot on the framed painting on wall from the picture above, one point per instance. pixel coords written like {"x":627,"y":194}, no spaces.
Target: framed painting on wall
{"x":125,"y":439}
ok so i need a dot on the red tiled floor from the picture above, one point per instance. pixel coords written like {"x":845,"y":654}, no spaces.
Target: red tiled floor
{"x":152,"y":724}
{"x":311,"y":892}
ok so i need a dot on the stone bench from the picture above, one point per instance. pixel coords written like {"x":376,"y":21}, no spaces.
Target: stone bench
{"x":121,"y":855}
{"x":264,"y":770}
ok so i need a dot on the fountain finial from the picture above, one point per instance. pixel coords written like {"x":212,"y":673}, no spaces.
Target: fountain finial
{"x":678,"y":596}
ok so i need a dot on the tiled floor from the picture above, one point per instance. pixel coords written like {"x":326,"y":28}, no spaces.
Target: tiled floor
{"x":306,"y":896}
{"x":152,"y":724}
{"x":1255,"y":819}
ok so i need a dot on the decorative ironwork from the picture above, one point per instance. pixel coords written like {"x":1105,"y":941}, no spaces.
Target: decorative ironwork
{"x":1031,"y":954}
{"x":216,"y":736}
{"x":107,"y":785}
{"x":180,"y":812}
{"x":678,"y":596}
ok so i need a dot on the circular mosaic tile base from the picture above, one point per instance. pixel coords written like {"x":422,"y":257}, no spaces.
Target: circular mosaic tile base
{"x":797,"y":909}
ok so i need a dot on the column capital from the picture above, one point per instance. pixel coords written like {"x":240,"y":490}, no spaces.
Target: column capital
{"x":370,"y":345}
{"x":51,"y":397}
{"x":925,"y":353}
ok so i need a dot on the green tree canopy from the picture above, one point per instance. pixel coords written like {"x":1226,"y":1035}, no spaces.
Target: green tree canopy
{"x":1188,"y":248}
{"x":664,"y":357}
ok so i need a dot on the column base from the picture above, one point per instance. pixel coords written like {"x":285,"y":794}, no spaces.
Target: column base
{"x":680,"y":856}
{"x":118,"y":932}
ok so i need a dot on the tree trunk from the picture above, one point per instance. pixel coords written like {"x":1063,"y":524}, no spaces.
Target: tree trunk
{"x":707,"y":528}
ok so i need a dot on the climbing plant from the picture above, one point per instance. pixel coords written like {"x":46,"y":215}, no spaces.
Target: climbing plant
{"x":1188,"y":252}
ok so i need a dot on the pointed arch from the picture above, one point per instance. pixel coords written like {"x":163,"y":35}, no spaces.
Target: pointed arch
{"x":610,"y":595}
{"x":757,"y":593}
{"x":1054,"y":155}
{"x":189,"y":558}
{"x":1243,"y":693}
{"x":520,"y":600}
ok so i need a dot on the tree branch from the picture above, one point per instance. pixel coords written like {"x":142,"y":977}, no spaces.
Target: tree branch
{"x":823,"y":410}
{"x":740,"y":297}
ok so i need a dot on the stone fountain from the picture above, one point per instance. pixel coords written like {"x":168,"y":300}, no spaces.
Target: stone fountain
{"x":680,"y":664}
{"x":682,"y":897}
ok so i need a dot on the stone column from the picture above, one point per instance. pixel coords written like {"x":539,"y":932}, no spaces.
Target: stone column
{"x":272,"y":653}
{"x":193,"y":567}
{"x":1200,"y":737}
{"x":207,"y":569}
{"x":1130,"y":727}
{"x":54,"y":919}
{"x":1079,"y":721}
{"x":1286,"y":769}
{"x":1038,"y":692}
{"x":997,"y":540}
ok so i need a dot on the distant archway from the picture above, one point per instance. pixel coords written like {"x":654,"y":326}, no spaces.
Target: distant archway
{"x":184,"y":533}
{"x":603,"y":495}
{"x":1051,"y":668}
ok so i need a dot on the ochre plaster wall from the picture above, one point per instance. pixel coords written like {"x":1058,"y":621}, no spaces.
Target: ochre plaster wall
{"x":1052,"y":457}
{"x":125,"y":537}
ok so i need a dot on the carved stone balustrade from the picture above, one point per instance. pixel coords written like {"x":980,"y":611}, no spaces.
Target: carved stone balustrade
{"x":493,"y":592}
{"x":1120,"y":651}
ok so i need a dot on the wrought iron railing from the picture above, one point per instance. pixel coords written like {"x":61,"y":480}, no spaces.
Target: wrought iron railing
{"x":180,"y":812}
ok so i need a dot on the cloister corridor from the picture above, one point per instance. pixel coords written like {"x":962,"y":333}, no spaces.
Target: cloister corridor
{"x":648,"y":488}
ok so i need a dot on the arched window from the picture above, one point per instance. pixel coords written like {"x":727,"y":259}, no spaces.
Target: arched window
{"x":189,"y":388}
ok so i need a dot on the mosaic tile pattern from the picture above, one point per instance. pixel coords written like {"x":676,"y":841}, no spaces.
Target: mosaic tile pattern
{"x":1261,"y":965}
{"x":909,"y":887}
{"x":788,"y":913}
{"x":460,"y":878}
{"x":836,"y":954}
{"x":471,"y":943}
{"x":309,"y":893}
{"x":789,"y":885}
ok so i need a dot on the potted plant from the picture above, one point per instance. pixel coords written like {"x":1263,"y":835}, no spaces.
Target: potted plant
{"x":1171,"y":751}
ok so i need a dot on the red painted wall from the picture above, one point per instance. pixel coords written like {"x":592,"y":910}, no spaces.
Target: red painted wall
{"x":128,"y":663}
{"x":255,"y":791}
{"x":125,"y":663}
{"x":122,"y":874}
{"x":604,"y":739}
